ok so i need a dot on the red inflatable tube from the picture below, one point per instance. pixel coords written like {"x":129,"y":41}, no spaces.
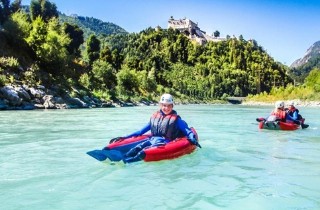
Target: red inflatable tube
{"x":173,"y":149}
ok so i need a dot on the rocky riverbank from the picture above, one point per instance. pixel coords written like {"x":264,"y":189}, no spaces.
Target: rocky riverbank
{"x":23,"y":97}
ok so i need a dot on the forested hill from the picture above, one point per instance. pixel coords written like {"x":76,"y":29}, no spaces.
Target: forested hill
{"x":235,"y":67}
{"x":88,"y":25}
{"x":36,"y":49}
{"x":91,"y":25}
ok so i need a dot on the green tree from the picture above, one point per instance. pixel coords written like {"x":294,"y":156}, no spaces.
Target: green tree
{"x":15,"y":6}
{"x":106,"y":54}
{"x":49,"y":42}
{"x":147,"y":81}
{"x":313,"y":79}
{"x":37,"y":35}
{"x":18,"y":25}
{"x":127,"y":82}
{"x":116,"y":59}
{"x":56,"y":43}
{"x":49,"y":10}
{"x":92,"y":48}
{"x":216,"y":34}
{"x":104,"y":75}
{"x":76,"y":35}
{"x":6,"y":9}
{"x":84,"y":80}
{"x":35,"y":9}
{"x":43,"y":8}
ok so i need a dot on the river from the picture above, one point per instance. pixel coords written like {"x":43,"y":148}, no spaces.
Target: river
{"x":44,"y":165}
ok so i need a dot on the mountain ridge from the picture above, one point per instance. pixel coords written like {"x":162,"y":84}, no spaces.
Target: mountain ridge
{"x":312,"y":51}
{"x":92,"y":25}
{"x":301,"y":68}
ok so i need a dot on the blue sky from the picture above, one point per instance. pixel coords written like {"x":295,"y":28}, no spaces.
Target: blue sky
{"x":284,"y":28}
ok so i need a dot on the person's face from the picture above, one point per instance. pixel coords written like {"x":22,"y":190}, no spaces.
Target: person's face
{"x":166,"y":108}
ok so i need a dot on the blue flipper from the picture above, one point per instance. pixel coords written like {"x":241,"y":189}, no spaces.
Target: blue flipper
{"x":101,"y":155}
{"x":97,"y":154}
{"x":113,"y":155}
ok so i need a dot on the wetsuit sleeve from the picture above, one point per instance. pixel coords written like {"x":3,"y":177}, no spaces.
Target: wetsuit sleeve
{"x":183,"y":126}
{"x":140,"y":132}
{"x":295,"y":115}
{"x":288,"y":117}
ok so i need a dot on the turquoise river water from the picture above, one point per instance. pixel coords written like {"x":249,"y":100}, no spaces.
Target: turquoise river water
{"x":44,"y":165}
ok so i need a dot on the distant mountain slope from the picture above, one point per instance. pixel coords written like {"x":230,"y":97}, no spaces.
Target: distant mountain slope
{"x":313,"y":51}
{"x":300,"y":68}
{"x":91,"y":25}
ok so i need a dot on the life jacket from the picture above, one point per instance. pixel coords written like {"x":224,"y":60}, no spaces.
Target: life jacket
{"x":165,"y":125}
{"x":292,"y":110}
{"x":280,"y":114}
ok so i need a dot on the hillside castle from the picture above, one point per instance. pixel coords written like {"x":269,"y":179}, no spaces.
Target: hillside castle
{"x":191,"y":29}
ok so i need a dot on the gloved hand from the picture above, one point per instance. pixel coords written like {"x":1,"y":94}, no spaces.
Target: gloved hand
{"x":260,"y":119}
{"x":192,"y":139}
{"x":116,"y":139}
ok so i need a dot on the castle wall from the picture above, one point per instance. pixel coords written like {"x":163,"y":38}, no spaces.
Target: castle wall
{"x":186,"y":25}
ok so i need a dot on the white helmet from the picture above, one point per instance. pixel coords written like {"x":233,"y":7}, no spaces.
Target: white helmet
{"x":291,"y":103}
{"x":279,"y":104}
{"x":166,"y":99}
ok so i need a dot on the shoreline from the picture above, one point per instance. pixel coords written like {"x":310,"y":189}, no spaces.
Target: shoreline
{"x":23,"y":97}
{"x":313,"y":104}
{"x":297,"y":102}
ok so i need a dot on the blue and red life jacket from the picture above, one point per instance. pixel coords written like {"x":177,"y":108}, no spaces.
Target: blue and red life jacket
{"x":291,"y":110}
{"x":165,"y":125}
